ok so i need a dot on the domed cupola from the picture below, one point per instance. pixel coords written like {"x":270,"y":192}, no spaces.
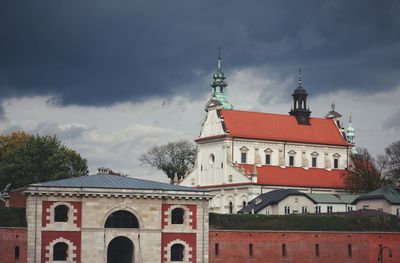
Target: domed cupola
{"x":219,"y":97}
{"x":300,"y":109}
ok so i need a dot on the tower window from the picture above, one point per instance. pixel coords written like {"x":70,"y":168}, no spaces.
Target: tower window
{"x":60,"y":251}
{"x":335,"y":163}
{"x":177,"y":252}
{"x":267,"y":159}
{"x":177,"y":216}
{"x":61,"y":213}
{"x":291,"y":160}
{"x":244,"y":157}
{"x":314,"y":162}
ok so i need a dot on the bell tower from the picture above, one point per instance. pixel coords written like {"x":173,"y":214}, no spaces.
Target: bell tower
{"x":300,"y":109}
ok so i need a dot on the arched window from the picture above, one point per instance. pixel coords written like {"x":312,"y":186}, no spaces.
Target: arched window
{"x":60,"y":251}
{"x":177,"y":252}
{"x":244,"y":204}
{"x":122,"y":219}
{"x":61,"y":213}
{"x":230,"y":208}
{"x":177,"y":216}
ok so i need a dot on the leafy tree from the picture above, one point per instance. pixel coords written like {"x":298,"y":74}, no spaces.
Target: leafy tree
{"x":27,"y":159}
{"x":175,"y":159}
{"x":392,"y":161}
{"x":365,"y":174}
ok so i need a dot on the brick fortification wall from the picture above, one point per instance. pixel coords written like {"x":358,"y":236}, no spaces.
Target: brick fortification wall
{"x":12,"y":239}
{"x":280,"y":246}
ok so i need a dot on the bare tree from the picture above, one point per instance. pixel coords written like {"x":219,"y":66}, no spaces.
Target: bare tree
{"x":392,"y":171}
{"x":365,"y":174}
{"x":175,"y":159}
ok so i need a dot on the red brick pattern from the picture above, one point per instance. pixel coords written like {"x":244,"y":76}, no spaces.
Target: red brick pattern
{"x":73,"y":236}
{"x":17,"y":199}
{"x":9,"y":239}
{"x":233,"y":246}
{"x":191,"y":208}
{"x":188,"y":238}
{"x":45,"y":213}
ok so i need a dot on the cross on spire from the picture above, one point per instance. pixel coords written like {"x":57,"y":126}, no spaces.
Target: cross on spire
{"x":300,"y":77}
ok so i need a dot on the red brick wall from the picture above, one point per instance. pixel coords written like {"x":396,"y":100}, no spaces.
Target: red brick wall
{"x":300,"y":246}
{"x":191,"y":208}
{"x":17,"y":199}
{"x":72,"y":236}
{"x":9,"y":239}
{"x":189,"y":238}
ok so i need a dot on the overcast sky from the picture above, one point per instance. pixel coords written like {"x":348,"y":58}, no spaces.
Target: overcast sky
{"x":113,"y":78}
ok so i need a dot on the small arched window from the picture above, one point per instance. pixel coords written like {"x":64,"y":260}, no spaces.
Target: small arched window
{"x":122,"y":219}
{"x":244,"y":204}
{"x":230,"y":208}
{"x":61,"y":213}
{"x":177,"y":252}
{"x":177,"y":216}
{"x":60,"y":251}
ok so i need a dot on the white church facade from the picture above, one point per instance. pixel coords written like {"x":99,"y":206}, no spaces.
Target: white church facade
{"x":242,"y":154}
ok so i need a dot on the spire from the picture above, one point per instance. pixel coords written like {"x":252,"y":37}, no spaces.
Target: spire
{"x":351,"y":134}
{"x":219,"y":97}
{"x":300,"y":109}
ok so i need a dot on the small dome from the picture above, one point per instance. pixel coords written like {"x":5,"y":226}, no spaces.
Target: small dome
{"x":300,"y":90}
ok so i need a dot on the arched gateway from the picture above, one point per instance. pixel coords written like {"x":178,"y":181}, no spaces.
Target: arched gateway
{"x":120,"y":250}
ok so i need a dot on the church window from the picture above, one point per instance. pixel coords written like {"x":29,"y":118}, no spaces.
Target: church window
{"x":329,"y":209}
{"x":230,"y":208}
{"x":287,"y":210}
{"x":318,"y":209}
{"x":314,"y":162}
{"x":243,"y":157}
{"x":212,"y":158}
{"x":335,"y":163}
{"x":177,"y":252}
{"x":177,"y":216}
{"x":61,"y":213}
{"x":267,"y":159}
{"x":60,"y":251}
{"x":291,"y":160}
{"x":122,"y":219}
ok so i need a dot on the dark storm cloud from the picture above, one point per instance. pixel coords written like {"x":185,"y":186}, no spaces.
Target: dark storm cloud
{"x":102,"y":52}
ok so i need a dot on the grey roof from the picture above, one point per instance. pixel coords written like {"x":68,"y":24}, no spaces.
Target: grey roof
{"x":102,"y":180}
{"x":270,"y":198}
{"x":389,"y":193}
{"x":333,"y":198}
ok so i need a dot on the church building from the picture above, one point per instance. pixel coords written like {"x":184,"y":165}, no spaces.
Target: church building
{"x":242,"y":154}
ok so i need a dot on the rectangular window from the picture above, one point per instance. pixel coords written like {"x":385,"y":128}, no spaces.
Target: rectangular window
{"x":304,"y":209}
{"x":349,"y":250}
{"x":287,"y":210}
{"x":314,"y":162}
{"x":216,"y":249}
{"x":317,"y":209}
{"x":291,"y":160}
{"x":349,"y":208}
{"x":250,"y":250}
{"x":317,"y":250}
{"x":329,"y":209}
{"x":267,"y":159}
{"x":16,"y":252}
{"x":335,"y":163}
{"x":283,"y":250}
{"x":244,"y":157}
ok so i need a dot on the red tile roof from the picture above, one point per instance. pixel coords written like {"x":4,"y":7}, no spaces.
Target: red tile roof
{"x":298,"y":177}
{"x":278,"y":127}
